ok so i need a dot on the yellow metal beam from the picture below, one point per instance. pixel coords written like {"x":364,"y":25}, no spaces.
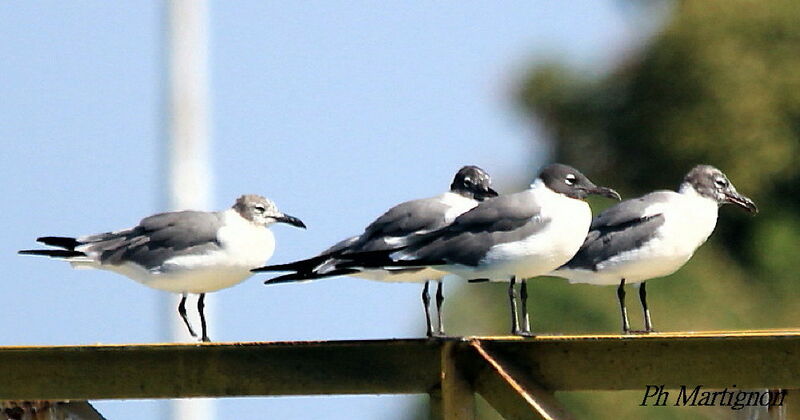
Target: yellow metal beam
{"x":512,"y":392}
{"x":458,"y":397}
{"x":752,"y":359}
{"x":218,"y":369}
{"x":453,"y":398}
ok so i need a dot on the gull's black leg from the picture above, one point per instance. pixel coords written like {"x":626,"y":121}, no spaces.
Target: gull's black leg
{"x":648,"y":324}
{"x":182,"y":312}
{"x":523,"y":295}
{"x":439,"y":302}
{"x":201,"y":304}
{"x":426,"y":302}
{"x":626,"y":326}
{"x":512,"y":297}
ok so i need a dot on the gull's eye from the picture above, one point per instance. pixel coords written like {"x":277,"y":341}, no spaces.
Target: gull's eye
{"x":260,"y":209}
{"x":721,"y":182}
{"x":569,"y":179}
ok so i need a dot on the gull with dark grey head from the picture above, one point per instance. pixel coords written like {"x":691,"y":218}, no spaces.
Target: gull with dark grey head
{"x":520,"y":235}
{"x":183,"y":251}
{"x":652,"y":236}
{"x":399,"y":226}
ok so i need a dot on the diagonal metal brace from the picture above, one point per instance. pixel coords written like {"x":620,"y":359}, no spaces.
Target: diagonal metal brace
{"x":511,"y":390}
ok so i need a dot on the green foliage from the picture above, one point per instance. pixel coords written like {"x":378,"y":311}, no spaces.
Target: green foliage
{"x":719,"y":84}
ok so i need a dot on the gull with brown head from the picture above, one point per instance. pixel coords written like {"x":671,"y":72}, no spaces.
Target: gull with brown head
{"x":181,"y":252}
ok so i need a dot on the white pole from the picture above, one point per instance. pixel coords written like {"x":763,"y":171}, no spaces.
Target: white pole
{"x":188,"y":170}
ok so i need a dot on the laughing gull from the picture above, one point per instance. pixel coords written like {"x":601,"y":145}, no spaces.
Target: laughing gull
{"x":181,"y":252}
{"x":399,"y":226}
{"x":521,"y":235}
{"x":652,"y":236}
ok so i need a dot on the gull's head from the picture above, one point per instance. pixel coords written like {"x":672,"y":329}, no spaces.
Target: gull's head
{"x":709,"y":182}
{"x":566,"y":180}
{"x":473,"y":182}
{"x":263,"y":212}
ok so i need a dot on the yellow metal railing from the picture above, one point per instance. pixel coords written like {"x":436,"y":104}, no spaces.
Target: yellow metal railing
{"x":516,"y":376}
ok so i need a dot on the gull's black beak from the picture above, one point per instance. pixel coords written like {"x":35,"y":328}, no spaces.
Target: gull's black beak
{"x":489,"y":193}
{"x":291,"y":220}
{"x":734,"y":197}
{"x":605,"y":192}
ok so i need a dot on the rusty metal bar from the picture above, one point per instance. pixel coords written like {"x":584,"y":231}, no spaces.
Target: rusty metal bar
{"x":512,"y":392}
{"x":218,"y":369}
{"x":790,"y":407}
{"x":435,"y":406}
{"x":748,"y":359}
{"x":458,"y":397}
{"x":716,"y":360}
{"x":48,"y":410}
{"x":453,"y":398}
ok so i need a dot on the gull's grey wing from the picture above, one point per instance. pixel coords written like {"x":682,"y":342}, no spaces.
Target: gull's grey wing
{"x":399,"y":226}
{"x":393,"y":229}
{"x":156,"y":239}
{"x":469,"y":238}
{"x":404,"y":222}
{"x":620,"y":228}
{"x":629,"y":210}
{"x":340,"y":246}
{"x":414,"y":217}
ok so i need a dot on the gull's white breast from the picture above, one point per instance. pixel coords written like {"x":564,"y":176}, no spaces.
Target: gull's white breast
{"x":243,"y":246}
{"x":566,"y":223}
{"x":689,"y":219}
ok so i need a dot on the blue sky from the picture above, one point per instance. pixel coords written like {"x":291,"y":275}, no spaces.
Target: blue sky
{"x":335,"y":110}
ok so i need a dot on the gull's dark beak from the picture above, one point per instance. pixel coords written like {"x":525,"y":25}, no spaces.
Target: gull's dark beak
{"x":489,"y":193}
{"x":290,"y":220}
{"x":734,"y":197}
{"x":605,"y":192}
